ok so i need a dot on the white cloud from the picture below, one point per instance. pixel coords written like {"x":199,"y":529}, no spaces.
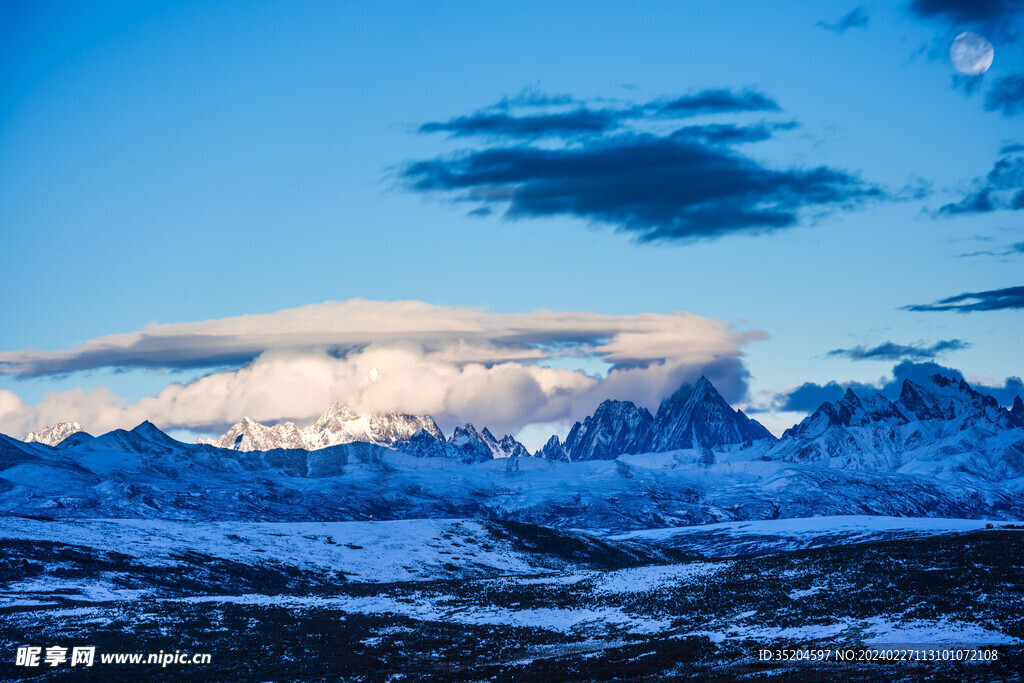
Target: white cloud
{"x":458,"y":364}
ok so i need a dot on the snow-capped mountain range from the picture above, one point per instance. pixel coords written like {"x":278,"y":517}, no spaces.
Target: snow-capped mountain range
{"x":943,"y":424}
{"x":941,"y":449}
{"x":417,"y":434}
{"x":694,"y":417}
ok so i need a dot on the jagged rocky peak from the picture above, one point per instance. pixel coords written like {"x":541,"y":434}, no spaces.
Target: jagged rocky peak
{"x":695,"y":416}
{"x":552,"y":450}
{"x":469,"y":446}
{"x":615,"y":428}
{"x":341,"y":424}
{"x":945,"y":398}
{"x":853,"y":410}
{"x":468,"y":432}
{"x":937,"y":424}
{"x":698,"y":417}
{"x":512,"y":448}
{"x":249,"y":435}
{"x":507,"y":447}
{"x":1018,"y":408}
{"x":849,"y":411}
{"x":422,"y":444}
{"x":51,"y":436}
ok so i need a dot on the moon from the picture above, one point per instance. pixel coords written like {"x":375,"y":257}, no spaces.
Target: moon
{"x":971,"y":54}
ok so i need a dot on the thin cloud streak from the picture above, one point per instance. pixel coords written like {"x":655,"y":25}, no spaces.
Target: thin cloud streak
{"x":855,"y":18}
{"x":891,"y":351}
{"x":991,"y":300}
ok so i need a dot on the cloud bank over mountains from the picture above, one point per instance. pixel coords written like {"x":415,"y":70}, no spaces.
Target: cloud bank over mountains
{"x":505,"y":370}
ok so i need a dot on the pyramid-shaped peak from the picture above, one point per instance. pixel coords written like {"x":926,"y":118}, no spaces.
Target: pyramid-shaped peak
{"x":706,"y":392}
{"x":704,"y":387}
{"x":150,"y":432}
{"x":697,"y":416}
{"x":148,"y":429}
{"x":850,"y":397}
{"x":699,"y":391}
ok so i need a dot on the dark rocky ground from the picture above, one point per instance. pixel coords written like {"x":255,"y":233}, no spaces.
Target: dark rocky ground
{"x":615,"y":616}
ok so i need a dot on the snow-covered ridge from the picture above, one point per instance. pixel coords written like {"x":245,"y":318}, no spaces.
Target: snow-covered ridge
{"x":144,"y":474}
{"x":755,"y":537}
{"x":338,"y":425}
{"x":51,"y":436}
{"x":938,"y":427}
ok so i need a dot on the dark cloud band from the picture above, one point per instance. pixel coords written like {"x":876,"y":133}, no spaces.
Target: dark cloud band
{"x":994,"y":16}
{"x":499,"y":121}
{"x":686,"y":184}
{"x":891,"y":351}
{"x":968,"y":302}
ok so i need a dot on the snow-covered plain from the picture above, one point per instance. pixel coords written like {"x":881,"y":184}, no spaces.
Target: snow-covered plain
{"x":729,"y":539}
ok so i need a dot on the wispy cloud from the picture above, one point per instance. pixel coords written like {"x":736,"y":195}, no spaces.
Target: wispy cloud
{"x":1013,"y":249}
{"x":891,"y":351}
{"x":502,"y":124}
{"x":969,"y":302}
{"x":1007,"y":95}
{"x":716,"y":101}
{"x":855,"y":18}
{"x":1001,"y":189}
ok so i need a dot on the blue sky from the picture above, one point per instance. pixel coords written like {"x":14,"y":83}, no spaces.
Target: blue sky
{"x":176,"y":162}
